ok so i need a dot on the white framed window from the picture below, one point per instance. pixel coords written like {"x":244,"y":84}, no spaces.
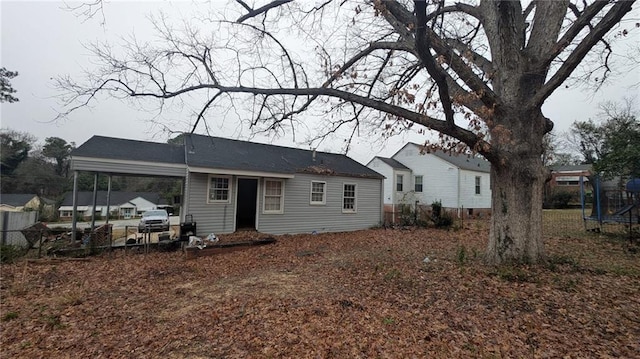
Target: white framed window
{"x":318,"y":193}
{"x":418,"y":183}
{"x":399,"y":180}
{"x":219,"y":189}
{"x":273,"y":196}
{"x":349,"y":198}
{"x":478,"y":178}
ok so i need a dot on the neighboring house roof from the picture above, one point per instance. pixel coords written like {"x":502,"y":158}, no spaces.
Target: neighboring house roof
{"x":225,"y":154}
{"x":463,"y":161}
{"x":130,"y":150}
{"x":85,"y":198}
{"x":393,"y":163}
{"x":571,"y":168}
{"x":16,"y":199}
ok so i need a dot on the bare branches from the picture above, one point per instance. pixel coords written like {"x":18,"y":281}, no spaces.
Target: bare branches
{"x":259,"y":11}
{"x":452,"y":68}
{"x":613,"y":17}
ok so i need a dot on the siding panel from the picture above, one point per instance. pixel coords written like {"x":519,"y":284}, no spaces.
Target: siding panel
{"x":210,"y":217}
{"x":301,"y":217}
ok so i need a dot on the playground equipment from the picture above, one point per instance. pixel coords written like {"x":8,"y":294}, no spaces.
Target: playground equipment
{"x":613,"y":203}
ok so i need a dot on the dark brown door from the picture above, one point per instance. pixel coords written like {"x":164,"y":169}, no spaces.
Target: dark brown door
{"x":247,"y":201}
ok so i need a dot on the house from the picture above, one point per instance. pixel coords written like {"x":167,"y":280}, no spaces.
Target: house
{"x":121,"y":204}
{"x":229,"y":185}
{"x":563,"y":186}
{"x":413,"y":176}
{"x":568,"y":177}
{"x":18,"y":202}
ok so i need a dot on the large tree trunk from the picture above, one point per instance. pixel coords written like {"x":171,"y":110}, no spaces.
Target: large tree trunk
{"x":516,"y":222}
{"x":517,"y":185}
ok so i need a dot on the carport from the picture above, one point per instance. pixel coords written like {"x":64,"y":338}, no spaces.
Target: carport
{"x":122,"y":157}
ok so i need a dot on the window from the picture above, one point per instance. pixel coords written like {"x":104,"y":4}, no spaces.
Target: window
{"x":273,"y":196}
{"x":478,"y":184}
{"x":418,"y":183}
{"x":219,"y":189}
{"x":399,"y":179}
{"x":349,"y":198}
{"x":318,"y":192}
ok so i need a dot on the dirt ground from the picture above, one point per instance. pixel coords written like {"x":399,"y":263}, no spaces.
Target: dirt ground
{"x":379,"y":293}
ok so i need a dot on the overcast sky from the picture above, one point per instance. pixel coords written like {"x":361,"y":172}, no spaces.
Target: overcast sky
{"x":41,"y":40}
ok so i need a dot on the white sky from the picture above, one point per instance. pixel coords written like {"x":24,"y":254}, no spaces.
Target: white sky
{"x":40,"y":40}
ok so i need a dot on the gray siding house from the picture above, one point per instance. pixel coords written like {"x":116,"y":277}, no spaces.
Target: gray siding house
{"x":231,"y":185}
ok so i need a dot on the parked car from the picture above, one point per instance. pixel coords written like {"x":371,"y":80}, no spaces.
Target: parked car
{"x":156,"y":220}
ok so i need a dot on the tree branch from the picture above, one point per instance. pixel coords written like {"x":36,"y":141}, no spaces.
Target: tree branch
{"x":613,"y":16}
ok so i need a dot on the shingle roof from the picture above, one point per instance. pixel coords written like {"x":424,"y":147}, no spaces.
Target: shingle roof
{"x":222,"y":153}
{"x":465,"y":162}
{"x":85,"y":198}
{"x":393,"y":163}
{"x":16,"y":199}
{"x":132,"y":150}
{"x":562,"y":168}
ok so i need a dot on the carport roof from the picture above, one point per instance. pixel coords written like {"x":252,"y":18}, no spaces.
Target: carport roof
{"x":130,"y":150}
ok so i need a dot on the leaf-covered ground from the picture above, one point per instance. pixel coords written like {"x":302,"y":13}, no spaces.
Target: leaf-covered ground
{"x":366,"y":294}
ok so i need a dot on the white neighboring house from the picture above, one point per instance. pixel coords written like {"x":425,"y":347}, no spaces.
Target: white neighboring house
{"x":457,"y":181}
{"x":125,"y":204}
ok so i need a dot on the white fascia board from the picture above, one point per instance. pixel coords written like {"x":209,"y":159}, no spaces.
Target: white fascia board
{"x":70,"y":208}
{"x":221,"y":171}
{"x":128,"y":162}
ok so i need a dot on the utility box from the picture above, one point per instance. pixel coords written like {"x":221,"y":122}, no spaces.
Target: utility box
{"x":187,"y":228}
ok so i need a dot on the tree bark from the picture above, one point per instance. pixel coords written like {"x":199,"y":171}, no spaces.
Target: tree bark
{"x":516,"y":222}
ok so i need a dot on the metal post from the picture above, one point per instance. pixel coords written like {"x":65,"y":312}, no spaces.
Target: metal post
{"x":95,"y":199}
{"x":74,"y":212}
{"x":108,"y":199}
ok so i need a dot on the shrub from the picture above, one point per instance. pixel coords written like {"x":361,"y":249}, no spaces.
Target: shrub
{"x":561,"y":199}
{"x":9,"y":253}
{"x":440,"y":218}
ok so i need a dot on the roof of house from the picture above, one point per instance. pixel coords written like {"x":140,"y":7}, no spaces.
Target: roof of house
{"x":393,"y":163}
{"x":131,"y":150}
{"x":567,"y":168}
{"x":463,"y":161}
{"x":85,"y":198}
{"x":226,"y":154}
{"x":16,"y":199}
{"x":222,"y":153}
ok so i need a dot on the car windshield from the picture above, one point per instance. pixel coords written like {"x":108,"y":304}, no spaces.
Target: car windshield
{"x":154,"y":213}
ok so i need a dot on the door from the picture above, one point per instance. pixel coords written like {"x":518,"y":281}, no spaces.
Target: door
{"x":246,"y":203}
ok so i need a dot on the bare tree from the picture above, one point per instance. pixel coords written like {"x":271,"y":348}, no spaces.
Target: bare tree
{"x":476,"y":72}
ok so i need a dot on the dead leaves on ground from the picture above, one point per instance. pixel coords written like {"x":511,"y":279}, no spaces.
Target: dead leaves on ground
{"x":367,"y":294}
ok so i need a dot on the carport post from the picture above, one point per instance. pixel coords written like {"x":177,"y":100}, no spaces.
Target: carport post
{"x":108,"y":199}
{"x":109,"y":210}
{"x":74,"y":212}
{"x":95,"y":199}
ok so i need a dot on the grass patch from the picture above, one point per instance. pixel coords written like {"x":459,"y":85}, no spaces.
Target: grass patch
{"x":9,"y":316}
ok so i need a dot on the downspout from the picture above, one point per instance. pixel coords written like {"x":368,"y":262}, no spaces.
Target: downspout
{"x":185,"y":187}
{"x":458,"y":194}
{"x":382,"y":219}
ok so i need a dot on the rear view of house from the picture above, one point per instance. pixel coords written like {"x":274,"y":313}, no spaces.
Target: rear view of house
{"x":231,"y":185}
